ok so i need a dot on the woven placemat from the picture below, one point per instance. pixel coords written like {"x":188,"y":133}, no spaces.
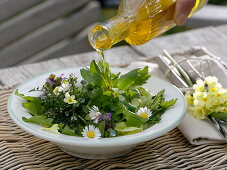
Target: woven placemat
{"x":20,"y":150}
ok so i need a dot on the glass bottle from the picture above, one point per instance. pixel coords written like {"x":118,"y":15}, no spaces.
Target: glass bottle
{"x":137,"y":22}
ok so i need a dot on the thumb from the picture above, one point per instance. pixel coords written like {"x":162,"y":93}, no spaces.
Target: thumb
{"x":182,"y":11}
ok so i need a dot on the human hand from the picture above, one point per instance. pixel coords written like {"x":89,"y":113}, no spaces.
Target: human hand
{"x":182,"y":11}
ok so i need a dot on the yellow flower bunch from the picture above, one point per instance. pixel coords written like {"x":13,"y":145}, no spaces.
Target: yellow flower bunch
{"x":209,"y":97}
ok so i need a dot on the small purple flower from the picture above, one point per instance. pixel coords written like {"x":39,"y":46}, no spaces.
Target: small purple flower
{"x":108,"y":116}
{"x":62,"y":78}
{"x":100,"y":117}
{"x":50,"y":81}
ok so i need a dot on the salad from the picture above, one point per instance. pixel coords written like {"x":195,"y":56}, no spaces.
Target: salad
{"x":101,"y":105}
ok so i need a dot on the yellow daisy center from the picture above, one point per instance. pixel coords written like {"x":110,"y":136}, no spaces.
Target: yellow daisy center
{"x":205,"y":99}
{"x":91,"y":134}
{"x":144,"y":115}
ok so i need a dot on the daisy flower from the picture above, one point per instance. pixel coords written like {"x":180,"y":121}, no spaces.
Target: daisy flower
{"x":144,"y":112}
{"x":91,"y":133}
{"x":118,"y":92}
{"x":69,"y":99}
{"x":94,"y":114}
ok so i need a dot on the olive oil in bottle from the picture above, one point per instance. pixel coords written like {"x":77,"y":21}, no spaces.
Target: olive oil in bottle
{"x":137,"y":22}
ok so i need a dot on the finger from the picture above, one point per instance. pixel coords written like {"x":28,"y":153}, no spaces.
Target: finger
{"x":182,"y":11}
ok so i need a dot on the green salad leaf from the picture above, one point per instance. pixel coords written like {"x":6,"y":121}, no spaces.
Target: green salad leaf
{"x":133,"y":78}
{"x":67,"y":131}
{"x":33,"y":104}
{"x":41,"y":120}
{"x":122,"y":129}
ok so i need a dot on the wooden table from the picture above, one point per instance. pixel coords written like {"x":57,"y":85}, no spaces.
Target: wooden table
{"x":213,"y":38}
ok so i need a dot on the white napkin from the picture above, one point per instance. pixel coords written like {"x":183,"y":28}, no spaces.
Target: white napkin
{"x":200,"y":131}
{"x":196,"y":131}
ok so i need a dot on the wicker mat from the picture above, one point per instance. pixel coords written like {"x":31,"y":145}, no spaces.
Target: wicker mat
{"x":20,"y":150}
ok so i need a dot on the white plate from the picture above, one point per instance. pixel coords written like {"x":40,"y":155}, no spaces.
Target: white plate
{"x":77,"y":145}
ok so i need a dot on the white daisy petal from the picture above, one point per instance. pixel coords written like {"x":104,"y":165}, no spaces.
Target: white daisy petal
{"x":90,"y":132}
{"x":144,"y":112}
{"x":94,"y":114}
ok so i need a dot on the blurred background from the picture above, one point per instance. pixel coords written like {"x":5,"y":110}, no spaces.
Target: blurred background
{"x":37,"y":30}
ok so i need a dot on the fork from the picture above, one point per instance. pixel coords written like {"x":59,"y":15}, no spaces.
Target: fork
{"x":217,"y":124}
{"x":223,"y":121}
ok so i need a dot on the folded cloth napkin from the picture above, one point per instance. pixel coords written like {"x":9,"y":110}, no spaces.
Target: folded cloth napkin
{"x":200,"y":132}
{"x":196,"y":131}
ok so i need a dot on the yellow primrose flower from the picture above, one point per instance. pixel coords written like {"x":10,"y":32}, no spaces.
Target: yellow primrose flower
{"x":207,"y":100}
{"x":221,"y":95}
{"x":221,"y":109}
{"x":69,"y":99}
{"x":210,"y":103}
{"x":52,"y":129}
{"x":211,"y":80}
{"x":214,"y":88}
{"x":198,"y":112}
{"x":199,"y":86}
{"x":197,"y":94}
{"x":200,"y":98}
{"x":189,"y":99}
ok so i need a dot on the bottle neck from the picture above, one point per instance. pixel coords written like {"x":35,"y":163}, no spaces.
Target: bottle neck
{"x":104,"y":36}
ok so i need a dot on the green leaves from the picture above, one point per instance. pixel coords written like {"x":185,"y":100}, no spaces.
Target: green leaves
{"x":101,"y":127}
{"x":134,"y":120}
{"x":28,"y":98}
{"x":167,"y":104}
{"x":131,"y":119}
{"x":219,"y":115}
{"x":99,"y":75}
{"x":96,"y":75}
{"x":33,"y":106}
{"x":133,"y":78}
{"x":41,"y":120}
{"x":122,"y":129}
{"x":67,"y":131}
